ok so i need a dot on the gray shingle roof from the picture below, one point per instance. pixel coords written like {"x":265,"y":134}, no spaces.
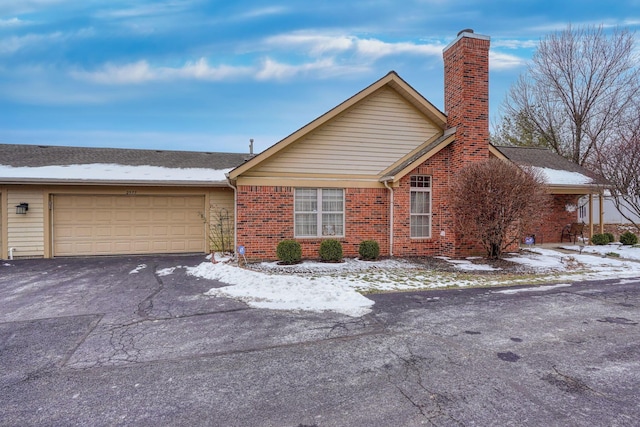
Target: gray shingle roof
{"x":544,"y":158}
{"x":39,"y":155}
{"x":541,"y":157}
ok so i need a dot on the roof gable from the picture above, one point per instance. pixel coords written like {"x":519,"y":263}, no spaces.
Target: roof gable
{"x":391,"y":83}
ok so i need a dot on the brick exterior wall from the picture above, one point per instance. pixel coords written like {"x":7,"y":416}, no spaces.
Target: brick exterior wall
{"x":265,"y":217}
{"x":557,"y":217}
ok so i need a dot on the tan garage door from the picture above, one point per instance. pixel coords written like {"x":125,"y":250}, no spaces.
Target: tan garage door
{"x":110,"y":225}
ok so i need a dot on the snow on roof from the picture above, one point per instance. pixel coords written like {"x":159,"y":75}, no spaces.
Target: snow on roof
{"x":555,"y":169}
{"x":563,"y":177}
{"x":112,"y":172}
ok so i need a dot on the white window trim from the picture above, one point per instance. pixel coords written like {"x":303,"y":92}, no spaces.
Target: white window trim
{"x":318,"y":214}
{"x":411,"y":214}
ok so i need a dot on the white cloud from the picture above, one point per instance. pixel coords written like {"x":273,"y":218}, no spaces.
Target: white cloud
{"x":514,"y":44}
{"x":273,"y":70}
{"x":15,"y":43}
{"x":503,"y":61}
{"x":201,"y":70}
{"x":153,"y":9}
{"x":266,"y":11}
{"x":142,"y":72}
{"x":321,"y":44}
{"x":137,"y":72}
{"x":12,"y":22}
{"x":315,"y":44}
{"x":375,"y":49}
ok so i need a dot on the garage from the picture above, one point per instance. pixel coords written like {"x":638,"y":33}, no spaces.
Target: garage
{"x":131,"y":224}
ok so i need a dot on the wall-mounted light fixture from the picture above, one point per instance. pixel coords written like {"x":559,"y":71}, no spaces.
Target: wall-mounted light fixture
{"x":22,"y":208}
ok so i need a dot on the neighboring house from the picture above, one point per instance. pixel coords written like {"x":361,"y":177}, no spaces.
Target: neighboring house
{"x":611,"y":214}
{"x":378,"y":166}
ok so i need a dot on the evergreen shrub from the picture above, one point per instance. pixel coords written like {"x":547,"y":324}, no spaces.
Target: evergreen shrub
{"x":331,"y":250}
{"x":369,"y":250}
{"x":289,"y":252}
{"x":628,"y":238}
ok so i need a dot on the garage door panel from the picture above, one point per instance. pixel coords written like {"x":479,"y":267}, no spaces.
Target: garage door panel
{"x":142,"y":231}
{"x":82,"y":232}
{"x":122,"y":231}
{"x":102,"y":231}
{"x":142,"y":216}
{"x":101,"y":225}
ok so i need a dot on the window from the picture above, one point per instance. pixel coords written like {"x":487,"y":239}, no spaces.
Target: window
{"x":319,"y":212}
{"x":420,"y":206}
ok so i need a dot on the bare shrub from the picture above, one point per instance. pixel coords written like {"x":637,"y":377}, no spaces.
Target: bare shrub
{"x":496,"y":203}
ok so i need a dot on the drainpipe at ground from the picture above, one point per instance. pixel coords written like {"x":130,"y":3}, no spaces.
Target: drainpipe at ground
{"x":235,"y":217}
{"x":386,"y":184}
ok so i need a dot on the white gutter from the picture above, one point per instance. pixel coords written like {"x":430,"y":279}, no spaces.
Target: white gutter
{"x":235,"y":216}
{"x":386,"y":184}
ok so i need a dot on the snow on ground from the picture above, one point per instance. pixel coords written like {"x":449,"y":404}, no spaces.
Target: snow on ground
{"x":625,"y":251}
{"x":339,"y":287}
{"x":138,"y":268}
{"x":534,"y":289}
{"x":467,"y":264}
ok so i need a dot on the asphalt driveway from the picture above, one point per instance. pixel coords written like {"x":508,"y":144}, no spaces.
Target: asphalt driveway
{"x":112,"y":341}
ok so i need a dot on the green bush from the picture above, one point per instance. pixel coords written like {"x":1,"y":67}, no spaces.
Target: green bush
{"x":369,"y":250}
{"x":289,"y":252}
{"x":331,"y":250}
{"x":599,"y":239}
{"x":628,"y":238}
{"x":611,"y":237}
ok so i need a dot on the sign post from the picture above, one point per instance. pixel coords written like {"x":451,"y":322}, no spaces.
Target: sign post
{"x":241,"y":251}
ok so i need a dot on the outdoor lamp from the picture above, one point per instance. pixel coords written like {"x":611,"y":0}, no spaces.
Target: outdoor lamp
{"x":22,"y":208}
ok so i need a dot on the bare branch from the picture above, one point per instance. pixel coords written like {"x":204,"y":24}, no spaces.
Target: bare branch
{"x":497,"y":202}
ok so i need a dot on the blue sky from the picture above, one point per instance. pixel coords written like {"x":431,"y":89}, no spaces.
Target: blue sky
{"x":210,"y":75}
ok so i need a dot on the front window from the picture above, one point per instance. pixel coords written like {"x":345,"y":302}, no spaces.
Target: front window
{"x":420,"y":206}
{"x":319,"y":212}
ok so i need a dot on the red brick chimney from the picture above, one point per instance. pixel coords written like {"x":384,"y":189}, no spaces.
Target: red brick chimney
{"x":466,"y":96}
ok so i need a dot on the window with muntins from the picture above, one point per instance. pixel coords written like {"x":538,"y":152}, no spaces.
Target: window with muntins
{"x":318,"y":212}
{"x":420,"y":206}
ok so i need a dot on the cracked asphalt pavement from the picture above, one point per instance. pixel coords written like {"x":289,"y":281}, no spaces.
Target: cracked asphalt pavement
{"x":86,"y":341}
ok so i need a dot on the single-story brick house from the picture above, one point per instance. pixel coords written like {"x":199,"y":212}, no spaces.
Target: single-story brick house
{"x":377,"y":166}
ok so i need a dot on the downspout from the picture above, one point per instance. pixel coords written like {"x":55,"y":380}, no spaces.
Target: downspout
{"x":391,"y":223}
{"x":235,"y":216}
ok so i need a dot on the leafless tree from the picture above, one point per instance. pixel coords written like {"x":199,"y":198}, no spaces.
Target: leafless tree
{"x":496,"y":203}
{"x":619,"y":163}
{"x":577,"y":84}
